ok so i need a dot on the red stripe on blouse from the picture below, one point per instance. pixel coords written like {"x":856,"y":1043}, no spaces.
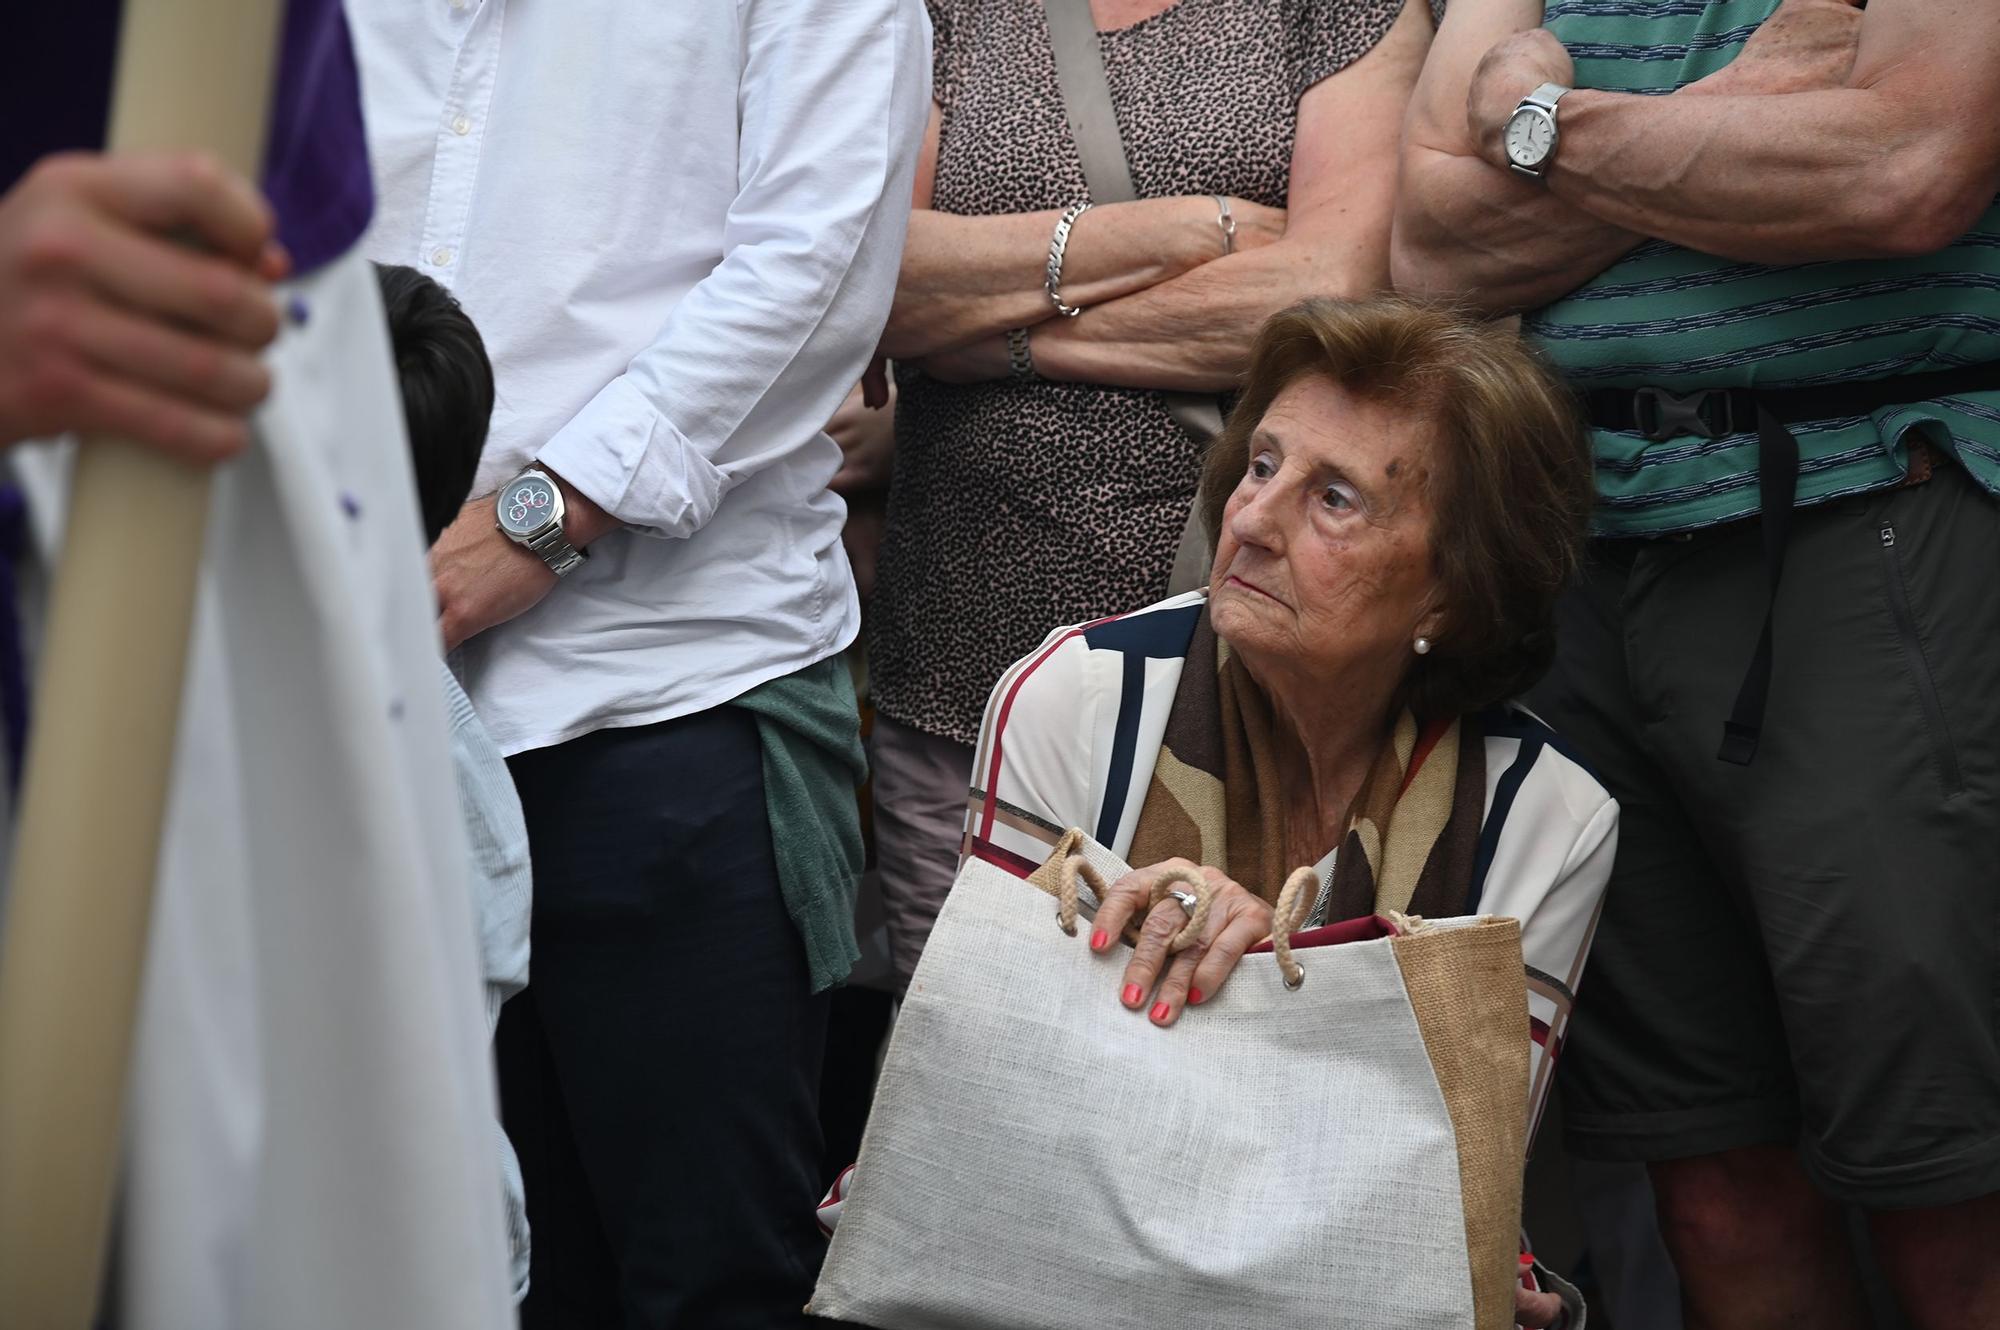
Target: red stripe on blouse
{"x":987,"y":809}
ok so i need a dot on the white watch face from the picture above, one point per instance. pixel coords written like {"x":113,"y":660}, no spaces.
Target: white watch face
{"x":526,"y":506}
{"x":1531,"y":133}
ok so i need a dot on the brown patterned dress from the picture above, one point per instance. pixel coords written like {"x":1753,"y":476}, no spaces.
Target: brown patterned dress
{"x":1019,"y":506}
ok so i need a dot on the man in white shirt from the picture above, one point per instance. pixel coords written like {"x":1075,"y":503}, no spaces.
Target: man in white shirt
{"x":677,"y":227}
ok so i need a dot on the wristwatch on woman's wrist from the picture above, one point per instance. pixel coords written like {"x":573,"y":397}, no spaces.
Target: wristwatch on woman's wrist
{"x":529,"y":512}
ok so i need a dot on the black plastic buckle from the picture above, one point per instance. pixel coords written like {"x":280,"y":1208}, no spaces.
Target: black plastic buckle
{"x":1660,"y":414}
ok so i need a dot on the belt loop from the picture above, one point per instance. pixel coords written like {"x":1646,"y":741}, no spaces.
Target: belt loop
{"x":1777,"y":488}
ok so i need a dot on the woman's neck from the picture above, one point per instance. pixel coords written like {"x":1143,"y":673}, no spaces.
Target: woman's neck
{"x":1329,"y":732}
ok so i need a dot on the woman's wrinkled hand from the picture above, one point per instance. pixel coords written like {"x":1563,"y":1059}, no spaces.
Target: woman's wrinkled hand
{"x":983,"y":361}
{"x":1256,"y":224}
{"x":1536,"y":1311}
{"x":1162,"y":983}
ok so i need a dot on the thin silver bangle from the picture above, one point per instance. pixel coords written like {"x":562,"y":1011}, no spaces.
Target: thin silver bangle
{"x":1227,"y":222}
{"x":1058,"y":244}
{"x":1020,"y":355}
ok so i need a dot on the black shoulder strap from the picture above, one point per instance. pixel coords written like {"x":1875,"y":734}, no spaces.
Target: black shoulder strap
{"x":1093,"y":123}
{"x":1093,"y":120}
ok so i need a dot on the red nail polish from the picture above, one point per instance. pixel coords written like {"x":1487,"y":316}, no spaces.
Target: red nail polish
{"x":1132,"y":995}
{"x":1194,"y":996}
{"x":1160,"y":1010}
{"x":1098,"y":939}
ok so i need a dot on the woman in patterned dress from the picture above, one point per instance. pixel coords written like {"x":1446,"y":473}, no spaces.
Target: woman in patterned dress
{"x":1024,"y":500}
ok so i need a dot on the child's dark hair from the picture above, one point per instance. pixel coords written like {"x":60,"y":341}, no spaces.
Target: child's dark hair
{"x":447,"y":384}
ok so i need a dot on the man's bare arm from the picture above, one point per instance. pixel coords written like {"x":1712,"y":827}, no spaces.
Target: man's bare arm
{"x":1463,"y":230}
{"x":1901,"y":160}
{"x":1796,"y":151}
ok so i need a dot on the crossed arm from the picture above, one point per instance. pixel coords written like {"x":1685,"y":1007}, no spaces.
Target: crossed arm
{"x":1837,"y":133}
{"x":1167,"y":310}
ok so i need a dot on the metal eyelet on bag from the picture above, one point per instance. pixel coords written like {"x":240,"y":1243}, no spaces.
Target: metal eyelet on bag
{"x":1295,"y":903}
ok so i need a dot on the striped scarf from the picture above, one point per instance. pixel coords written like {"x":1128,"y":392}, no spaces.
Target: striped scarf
{"x":1215,"y":798}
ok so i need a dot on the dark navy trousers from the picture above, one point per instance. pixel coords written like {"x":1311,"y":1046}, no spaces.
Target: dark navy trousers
{"x":660,"y":1075}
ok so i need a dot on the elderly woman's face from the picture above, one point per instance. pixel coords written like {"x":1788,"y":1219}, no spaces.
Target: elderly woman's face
{"x":1324,"y":557}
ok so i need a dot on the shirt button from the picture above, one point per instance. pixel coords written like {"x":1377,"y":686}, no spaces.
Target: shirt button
{"x":440,"y":256}
{"x":462,"y":125}
{"x":460,"y":5}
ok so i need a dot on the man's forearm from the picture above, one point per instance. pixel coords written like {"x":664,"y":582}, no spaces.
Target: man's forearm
{"x":1836,"y":133}
{"x":1790,"y":178}
{"x":1469,"y":233}
{"x":1466,"y":231}
{"x":1835,"y":174}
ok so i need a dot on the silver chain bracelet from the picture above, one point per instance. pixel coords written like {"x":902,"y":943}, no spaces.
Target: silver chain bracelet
{"x":1020,"y":356}
{"x":1058,"y":244}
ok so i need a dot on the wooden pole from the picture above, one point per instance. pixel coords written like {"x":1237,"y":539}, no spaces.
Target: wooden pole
{"x":191,"y":73}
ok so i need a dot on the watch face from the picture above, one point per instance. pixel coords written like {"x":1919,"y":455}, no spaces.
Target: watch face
{"x":1530,"y":134}
{"x":527,"y":505}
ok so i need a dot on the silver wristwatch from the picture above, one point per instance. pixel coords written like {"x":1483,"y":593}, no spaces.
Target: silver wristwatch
{"x":1531,"y":135}
{"x":529,"y":512}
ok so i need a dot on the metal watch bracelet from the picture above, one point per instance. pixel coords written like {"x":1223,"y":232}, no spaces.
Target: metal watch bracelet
{"x":552,"y":547}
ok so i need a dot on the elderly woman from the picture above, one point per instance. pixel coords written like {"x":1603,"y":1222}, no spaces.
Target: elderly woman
{"x":1396,"y":501}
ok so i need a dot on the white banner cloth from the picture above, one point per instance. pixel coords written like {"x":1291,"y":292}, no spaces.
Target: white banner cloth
{"x":1039,"y":1157}
{"x":311,"y":1119}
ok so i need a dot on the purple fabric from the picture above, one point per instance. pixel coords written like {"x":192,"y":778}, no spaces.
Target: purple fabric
{"x":316,"y":163}
{"x":56,"y":65}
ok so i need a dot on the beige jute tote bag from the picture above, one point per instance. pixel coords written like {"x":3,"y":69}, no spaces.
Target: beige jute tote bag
{"x":1346,"y":1151}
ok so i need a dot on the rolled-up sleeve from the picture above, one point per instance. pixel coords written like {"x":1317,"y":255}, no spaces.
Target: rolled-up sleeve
{"x":752,"y":362}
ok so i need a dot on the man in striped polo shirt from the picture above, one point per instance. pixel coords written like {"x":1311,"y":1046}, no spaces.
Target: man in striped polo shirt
{"x":1762,"y":241}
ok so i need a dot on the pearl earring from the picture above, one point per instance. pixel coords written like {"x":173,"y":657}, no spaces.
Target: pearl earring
{"x":1423,"y":646}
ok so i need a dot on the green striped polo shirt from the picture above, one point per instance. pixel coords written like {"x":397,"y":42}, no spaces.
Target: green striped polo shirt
{"x":1670,"y":317}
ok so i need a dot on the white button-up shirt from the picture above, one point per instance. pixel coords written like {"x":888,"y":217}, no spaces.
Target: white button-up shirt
{"x":677,"y":226}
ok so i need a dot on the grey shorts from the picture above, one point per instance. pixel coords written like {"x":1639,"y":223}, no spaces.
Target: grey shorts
{"x":1806,"y":949}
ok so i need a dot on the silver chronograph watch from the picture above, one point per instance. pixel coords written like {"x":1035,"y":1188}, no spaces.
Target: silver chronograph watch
{"x":1531,"y":135}
{"x":529,"y":512}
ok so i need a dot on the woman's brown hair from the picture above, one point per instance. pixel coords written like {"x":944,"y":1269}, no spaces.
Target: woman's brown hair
{"x":1510,"y":493}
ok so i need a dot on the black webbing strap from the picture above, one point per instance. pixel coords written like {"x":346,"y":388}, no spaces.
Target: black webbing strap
{"x":1777,"y":486}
